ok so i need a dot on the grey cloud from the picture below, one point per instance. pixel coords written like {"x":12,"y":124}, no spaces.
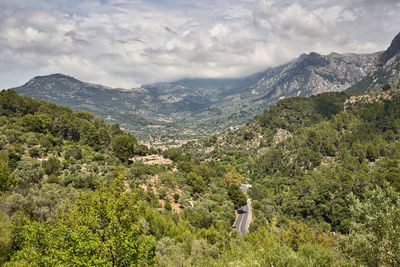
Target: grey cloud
{"x":293,"y":21}
{"x":169,"y":30}
{"x":117,"y":42}
{"x":77,"y":38}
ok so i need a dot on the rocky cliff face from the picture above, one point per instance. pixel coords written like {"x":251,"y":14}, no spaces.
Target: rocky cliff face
{"x":385,"y":70}
{"x":392,"y":51}
{"x":314,"y":73}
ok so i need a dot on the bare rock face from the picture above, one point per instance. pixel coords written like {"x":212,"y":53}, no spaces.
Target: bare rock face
{"x":314,"y":73}
{"x":392,"y":51}
{"x":386,"y":70}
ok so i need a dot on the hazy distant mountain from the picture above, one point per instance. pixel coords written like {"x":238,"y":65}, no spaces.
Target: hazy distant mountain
{"x":196,"y":107}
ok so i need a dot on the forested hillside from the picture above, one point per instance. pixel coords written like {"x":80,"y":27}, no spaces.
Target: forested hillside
{"x":324,"y":170}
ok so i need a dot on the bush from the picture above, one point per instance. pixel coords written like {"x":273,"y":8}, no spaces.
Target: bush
{"x":51,"y":166}
{"x":74,"y":151}
{"x":34,"y":152}
{"x":176,"y":197}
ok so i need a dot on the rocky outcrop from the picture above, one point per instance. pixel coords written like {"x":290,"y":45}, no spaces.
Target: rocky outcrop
{"x":392,"y":51}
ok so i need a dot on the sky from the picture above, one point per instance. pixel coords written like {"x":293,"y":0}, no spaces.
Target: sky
{"x":126,"y":43}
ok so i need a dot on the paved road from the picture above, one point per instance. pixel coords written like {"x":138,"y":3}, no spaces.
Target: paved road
{"x":243,"y":218}
{"x":245,"y":187}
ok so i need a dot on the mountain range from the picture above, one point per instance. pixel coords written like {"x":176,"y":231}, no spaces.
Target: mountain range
{"x":168,"y":111}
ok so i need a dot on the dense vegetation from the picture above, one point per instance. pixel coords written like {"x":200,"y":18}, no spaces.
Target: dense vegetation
{"x":325,"y":173}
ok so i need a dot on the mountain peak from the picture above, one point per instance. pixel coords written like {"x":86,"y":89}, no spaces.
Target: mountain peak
{"x":393,"y":50}
{"x":50,"y":76}
{"x":312,"y":59}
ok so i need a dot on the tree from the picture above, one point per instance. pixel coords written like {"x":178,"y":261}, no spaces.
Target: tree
{"x":6,"y":178}
{"x":51,"y":166}
{"x":37,"y":123}
{"x":123,"y":146}
{"x":34,"y":152}
{"x":196,"y":182}
{"x":74,"y":151}
{"x":168,"y":205}
{"x":5,"y":235}
{"x":237,"y":196}
{"x":98,"y":229}
{"x":374,"y":239}
{"x":84,"y":115}
{"x":89,"y":134}
{"x":232,"y":177}
{"x":176,"y":197}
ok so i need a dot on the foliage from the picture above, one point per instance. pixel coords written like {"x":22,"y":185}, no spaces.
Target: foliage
{"x":123,"y":146}
{"x":74,"y":152}
{"x":6,"y":176}
{"x":374,"y":238}
{"x":232,"y":177}
{"x":98,"y":228}
{"x":325,"y":193}
{"x":5,"y":236}
{"x":237,"y":196}
{"x":51,"y":166}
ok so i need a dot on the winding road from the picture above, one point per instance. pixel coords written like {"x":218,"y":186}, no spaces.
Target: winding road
{"x":243,"y":217}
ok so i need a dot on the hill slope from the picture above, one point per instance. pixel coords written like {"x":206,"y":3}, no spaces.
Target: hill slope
{"x":326,"y":192}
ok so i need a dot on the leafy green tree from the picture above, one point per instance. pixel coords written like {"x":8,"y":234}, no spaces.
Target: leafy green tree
{"x":34,"y":152}
{"x":142,"y":150}
{"x":5,"y":236}
{"x":123,"y":146}
{"x":28,"y":173}
{"x":196,"y":182}
{"x":168,"y":205}
{"x":232,"y":177}
{"x":115,"y":130}
{"x":237,"y":196}
{"x":74,"y":151}
{"x":51,"y":166}
{"x":174,"y":154}
{"x":13,"y":160}
{"x":374,"y":239}
{"x":99,"y":229}
{"x":6,"y":177}
{"x":89,"y":134}
{"x":176,"y":197}
{"x":84,"y":115}
{"x":199,"y":217}
{"x":371,"y":152}
{"x":41,"y":123}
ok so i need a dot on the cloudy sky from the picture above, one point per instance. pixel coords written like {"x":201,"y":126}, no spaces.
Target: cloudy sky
{"x":124,"y":43}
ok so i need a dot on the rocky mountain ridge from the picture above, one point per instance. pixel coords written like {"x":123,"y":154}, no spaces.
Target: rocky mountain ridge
{"x":386,"y":70}
{"x":192,"y":108}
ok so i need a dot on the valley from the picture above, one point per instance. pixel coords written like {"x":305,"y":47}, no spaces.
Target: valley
{"x":297,"y":165}
{"x":168,"y":113}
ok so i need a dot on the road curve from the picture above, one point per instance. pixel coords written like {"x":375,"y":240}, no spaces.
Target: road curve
{"x":243,"y":217}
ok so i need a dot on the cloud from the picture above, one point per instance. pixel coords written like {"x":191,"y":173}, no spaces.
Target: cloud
{"x":292,"y":22}
{"x":123,"y":43}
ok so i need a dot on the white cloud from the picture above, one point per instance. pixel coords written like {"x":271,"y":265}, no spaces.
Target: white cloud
{"x":292,"y":22}
{"x":122,"y":43}
{"x":219,"y":31}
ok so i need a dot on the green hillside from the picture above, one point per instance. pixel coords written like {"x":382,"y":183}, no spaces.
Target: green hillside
{"x":324,"y":170}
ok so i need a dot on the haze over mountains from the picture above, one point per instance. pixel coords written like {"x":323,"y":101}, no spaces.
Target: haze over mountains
{"x":197,"y":107}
